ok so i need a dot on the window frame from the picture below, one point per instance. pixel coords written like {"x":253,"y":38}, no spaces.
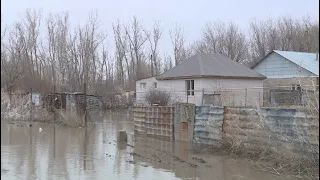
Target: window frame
{"x":143,"y":85}
{"x":189,"y":86}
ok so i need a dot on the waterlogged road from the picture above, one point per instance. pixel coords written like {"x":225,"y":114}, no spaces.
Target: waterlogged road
{"x":93,"y":154}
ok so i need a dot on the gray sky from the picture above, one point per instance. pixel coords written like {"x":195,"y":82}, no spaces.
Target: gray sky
{"x":190,"y":14}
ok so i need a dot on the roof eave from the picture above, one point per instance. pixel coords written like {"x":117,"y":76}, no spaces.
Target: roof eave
{"x":212,"y":76}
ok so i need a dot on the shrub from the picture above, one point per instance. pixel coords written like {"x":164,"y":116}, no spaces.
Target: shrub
{"x":158,"y":97}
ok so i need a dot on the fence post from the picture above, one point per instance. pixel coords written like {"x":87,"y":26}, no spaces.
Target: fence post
{"x":85,"y":102}
{"x":245,"y":103}
{"x":31,"y":118}
{"x":233,"y":99}
{"x":202,"y":97}
{"x":187,"y":97}
{"x":260,"y":104}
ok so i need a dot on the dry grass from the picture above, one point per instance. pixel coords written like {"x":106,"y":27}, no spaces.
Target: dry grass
{"x":71,"y":119}
{"x":296,"y":155}
{"x":19,"y":110}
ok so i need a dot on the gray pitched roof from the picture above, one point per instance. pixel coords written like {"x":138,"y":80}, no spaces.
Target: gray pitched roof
{"x":210,"y":65}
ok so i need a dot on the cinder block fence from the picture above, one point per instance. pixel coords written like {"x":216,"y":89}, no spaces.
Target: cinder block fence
{"x":253,"y":127}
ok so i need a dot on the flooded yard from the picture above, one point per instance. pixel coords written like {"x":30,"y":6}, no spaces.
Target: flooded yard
{"x":45,"y":151}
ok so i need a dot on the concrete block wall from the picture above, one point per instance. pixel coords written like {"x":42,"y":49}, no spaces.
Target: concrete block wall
{"x":295,"y":129}
{"x":139,"y":119}
{"x":254,"y":128}
{"x":184,"y":122}
{"x":154,"y":120}
{"x":290,"y":128}
{"x":159,"y":121}
{"x":244,"y":126}
{"x":208,"y":125}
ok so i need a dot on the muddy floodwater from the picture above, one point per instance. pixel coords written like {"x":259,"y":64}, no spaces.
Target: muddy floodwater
{"x":45,"y":152}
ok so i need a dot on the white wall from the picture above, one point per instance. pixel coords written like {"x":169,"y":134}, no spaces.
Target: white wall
{"x":276,"y":66}
{"x":233,"y":89}
{"x":140,"y":92}
{"x":175,"y":87}
{"x":235,"y":92}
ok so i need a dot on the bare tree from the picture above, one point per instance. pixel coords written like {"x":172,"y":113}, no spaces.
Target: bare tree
{"x":178,"y":42}
{"x":12,"y":65}
{"x":121,"y":49}
{"x":136,"y":39}
{"x":224,"y":39}
{"x":154,"y":45}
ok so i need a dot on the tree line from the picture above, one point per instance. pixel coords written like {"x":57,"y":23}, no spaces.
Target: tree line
{"x":40,"y":53}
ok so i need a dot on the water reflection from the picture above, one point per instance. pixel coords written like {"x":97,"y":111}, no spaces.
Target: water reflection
{"x":93,"y":153}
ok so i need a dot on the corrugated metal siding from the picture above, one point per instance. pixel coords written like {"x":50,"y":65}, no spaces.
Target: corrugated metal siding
{"x":276,"y":66}
{"x":208,"y":125}
{"x":308,"y":61}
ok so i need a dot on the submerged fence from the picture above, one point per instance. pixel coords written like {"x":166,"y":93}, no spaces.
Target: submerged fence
{"x":155,"y":120}
{"x":294,"y":129}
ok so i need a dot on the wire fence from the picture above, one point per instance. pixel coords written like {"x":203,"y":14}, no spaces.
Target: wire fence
{"x":243,"y":97}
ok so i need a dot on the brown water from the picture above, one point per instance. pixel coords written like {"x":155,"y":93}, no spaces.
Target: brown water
{"x":76,"y":153}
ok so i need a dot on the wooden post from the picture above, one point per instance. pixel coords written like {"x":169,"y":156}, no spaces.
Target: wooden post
{"x":85,"y":102}
{"x":31,"y":118}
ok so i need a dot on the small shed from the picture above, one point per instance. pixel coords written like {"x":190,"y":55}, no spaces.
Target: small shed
{"x":73,"y":100}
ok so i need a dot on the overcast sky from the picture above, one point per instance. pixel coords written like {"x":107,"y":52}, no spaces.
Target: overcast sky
{"x":190,"y":14}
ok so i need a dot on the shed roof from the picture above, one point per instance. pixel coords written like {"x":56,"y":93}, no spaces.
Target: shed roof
{"x":210,"y":65}
{"x":306,"y":60}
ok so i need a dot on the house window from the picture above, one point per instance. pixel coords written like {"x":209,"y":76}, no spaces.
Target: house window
{"x":190,"y":87}
{"x":142,"y":85}
{"x":155,"y":85}
{"x":296,"y":87}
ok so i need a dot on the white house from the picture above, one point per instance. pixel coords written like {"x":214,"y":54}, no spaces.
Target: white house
{"x":206,"y":79}
{"x":289,"y":69}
